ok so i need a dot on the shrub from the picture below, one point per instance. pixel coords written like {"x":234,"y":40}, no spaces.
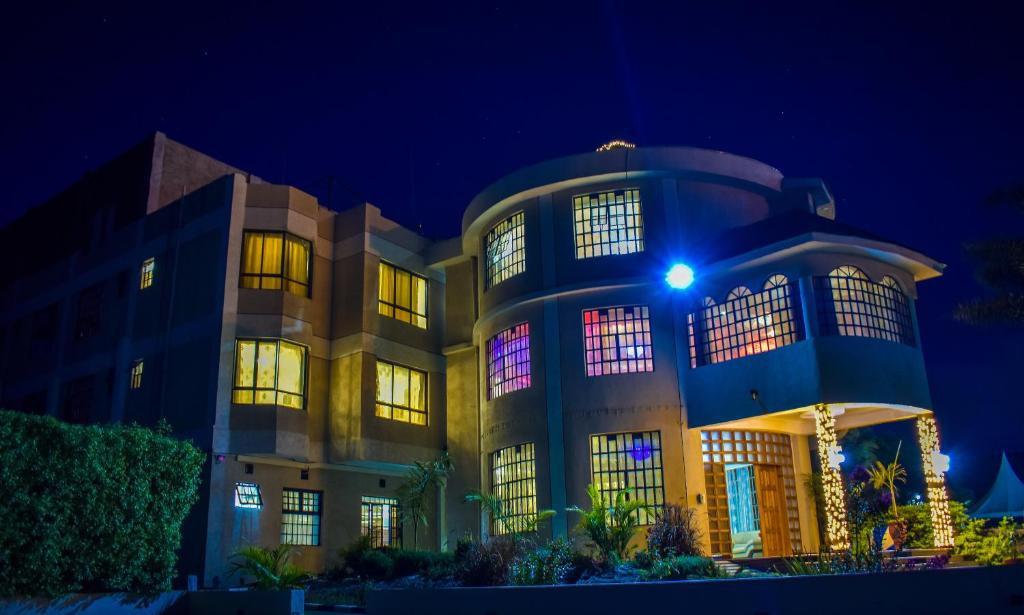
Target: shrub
{"x":91,"y":508}
{"x":547,"y":565}
{"x":483,"y":564}
{"x":989,"y":546}
{"x":610,"y":527}
{"x":678,"y":567}
{"x":360,"y":560}
{"x":675,"y":532}
{"x":270,"y":567}
{"x":918,"y":519}
{"x":425,"y":563}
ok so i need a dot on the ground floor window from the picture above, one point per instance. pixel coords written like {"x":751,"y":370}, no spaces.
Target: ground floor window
{"x":514,"y":480}
{"x":300,"y":517}
{"x":381,"y":520}
{"x":247,"y":495}
{"x":629,"y":461}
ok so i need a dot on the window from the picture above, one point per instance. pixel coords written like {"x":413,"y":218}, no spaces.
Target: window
{"x":629,"y":461}
{"x":608,"y":223}
{"x":849,"y":303}
{"x":617,"y":340}
{"x":78,"y":400}
{"x":381,"y":520}
{"x":270,"y":371}
{"x":275,"y":261}
{"x":402,"y":295}
{"x":247,"y":495}
{"x":401,"y":393}
{"x":746,"y":323}
{"x":136,"y":382}
{"x":514,"y":480}
{"x":300,"y":517}
{"x":508,"y":361}
{"x":505,"y":249}
{"x":87,"y":319}
{"x":147,"y":273}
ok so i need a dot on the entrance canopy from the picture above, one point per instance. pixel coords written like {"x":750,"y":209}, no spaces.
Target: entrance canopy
{"x":1005,"y":498}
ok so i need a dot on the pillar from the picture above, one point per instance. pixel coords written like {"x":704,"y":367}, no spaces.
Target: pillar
{"x":935,"y":464}
{"x":837,"y":535}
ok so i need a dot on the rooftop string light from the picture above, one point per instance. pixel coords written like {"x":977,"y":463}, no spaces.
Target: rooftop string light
{"x":616,"y":144}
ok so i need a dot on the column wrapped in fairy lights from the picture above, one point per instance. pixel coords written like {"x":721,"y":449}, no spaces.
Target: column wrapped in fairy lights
{"x":830,"y":455}
{"x":935,"y":465}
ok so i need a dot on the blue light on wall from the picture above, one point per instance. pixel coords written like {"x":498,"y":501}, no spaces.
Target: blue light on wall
{"x":679,"y":276}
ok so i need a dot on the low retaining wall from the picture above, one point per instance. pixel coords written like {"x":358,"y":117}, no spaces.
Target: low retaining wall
{"x":213,"y":602}
{"x":991,"y":590}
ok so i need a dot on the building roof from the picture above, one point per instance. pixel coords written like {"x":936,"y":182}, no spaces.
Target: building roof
{"x":1006,"y":497}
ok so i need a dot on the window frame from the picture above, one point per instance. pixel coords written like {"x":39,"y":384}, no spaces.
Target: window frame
{"x":493,"y":370}
{"x":241,"y":496}
{"x":644,"y":517}
{"x":593,"y":343}
{"x":135,"y":380}
{"x":277,"y":373}
{"x":147,"y":273}
{"x":367,"y":504}
{"x":868,"y":301}
{"x":242,"y":275}
{"x":635,"y":245}
{"x":394,"y":290}
{"x":315,"y":516}
{"x":426,"y":394}
{"x":522,"y":500}
{"x":516,"y":265}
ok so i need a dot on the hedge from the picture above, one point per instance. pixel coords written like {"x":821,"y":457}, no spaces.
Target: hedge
{"x":91,"y":508}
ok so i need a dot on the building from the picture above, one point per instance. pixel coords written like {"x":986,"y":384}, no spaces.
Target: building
{"x":316,"y":354}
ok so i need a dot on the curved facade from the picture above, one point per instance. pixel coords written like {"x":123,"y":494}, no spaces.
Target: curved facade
{"x":611,"y":377}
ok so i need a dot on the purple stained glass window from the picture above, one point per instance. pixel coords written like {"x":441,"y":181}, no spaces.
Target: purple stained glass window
{"x":508,"y":361}
{"x":617,"y":340}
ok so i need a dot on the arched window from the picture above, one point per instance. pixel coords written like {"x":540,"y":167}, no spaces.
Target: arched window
{"x":746,"y":323}
{"x":849,"y":303}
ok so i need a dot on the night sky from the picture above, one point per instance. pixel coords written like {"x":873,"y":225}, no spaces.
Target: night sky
{"x":910,"y":114}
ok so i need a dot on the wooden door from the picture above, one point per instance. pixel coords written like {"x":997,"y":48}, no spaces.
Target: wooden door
{"x":771,"y":503}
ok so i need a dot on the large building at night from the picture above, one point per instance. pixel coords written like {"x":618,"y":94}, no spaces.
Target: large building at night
{"x":316,"y":354}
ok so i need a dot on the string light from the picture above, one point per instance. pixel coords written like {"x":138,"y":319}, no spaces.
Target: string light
{"x":935,"y":464}
{"x":616,"y":144}
{"x":830,"y":455}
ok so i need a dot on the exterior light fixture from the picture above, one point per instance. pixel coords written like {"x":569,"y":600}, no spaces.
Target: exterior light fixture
{"x":940,"y":462}
{"x":680,"y":276}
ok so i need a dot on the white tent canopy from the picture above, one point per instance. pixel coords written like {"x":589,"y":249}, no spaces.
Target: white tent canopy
{"x":1005,"y":498}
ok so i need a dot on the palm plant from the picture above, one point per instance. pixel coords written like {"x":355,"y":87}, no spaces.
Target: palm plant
{"x":512,"y":524}
{"x":885,"y":476}
{"x":270,"y":567}
{"x":610,"y":527}
{"x":413,"y":494}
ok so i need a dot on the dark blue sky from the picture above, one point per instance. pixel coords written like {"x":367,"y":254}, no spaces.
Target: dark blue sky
{"x":910,"y":113}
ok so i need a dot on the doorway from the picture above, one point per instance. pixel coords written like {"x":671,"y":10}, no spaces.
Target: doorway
{"x":756,"y":504}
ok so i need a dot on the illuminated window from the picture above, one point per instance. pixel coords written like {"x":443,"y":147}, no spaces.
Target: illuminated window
{"x":505,"y":249}
{"x":300,"y":517}
{"x":270,"y":371}
{"x":401,"y":393}
{"x":617,"y":340}
{"x":608,"y":223}
{"x":849,"y":303}
{"x":381,"y":520}
{"x":275,"y":261}
{"x":514,"y":481}
{"x":746,"y":323}
{"x":136,"y":382}
{"x":402,"y":295}
{"x":629,"y":461}
{"x":147,"y":273}
{"x":508,"y":361}
{"x":247,"y":495}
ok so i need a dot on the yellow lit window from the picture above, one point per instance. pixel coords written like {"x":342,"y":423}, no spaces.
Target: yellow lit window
{"x":381,"y":520}
{"x":276,"y":261}
{"x":270,"y":371}
{"x":402,"y":295}
{"x":514,"y":480}
{"x":137,"y":374}
{"x":629,"y":461}
{"x":849,"y":303}
{"x":505,"y":248}
{"x":401,"y":393}
{"x":608,"y":223}
{"x":147,"y":273}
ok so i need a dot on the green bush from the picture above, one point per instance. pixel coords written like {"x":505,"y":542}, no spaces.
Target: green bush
{"x":918,"y":519}
{"x":989,"y":546}
{"x":610,"y":526}
{"x":680,"y":567}
{"x":269,"y":567}
{"x":91,"y":508}
{"x":363,"y":561}
{"x":547,"y":565}
{"x":429,"y":564}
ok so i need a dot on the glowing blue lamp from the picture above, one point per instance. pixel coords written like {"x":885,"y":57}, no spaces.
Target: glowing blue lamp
{"x":680,"y":276}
